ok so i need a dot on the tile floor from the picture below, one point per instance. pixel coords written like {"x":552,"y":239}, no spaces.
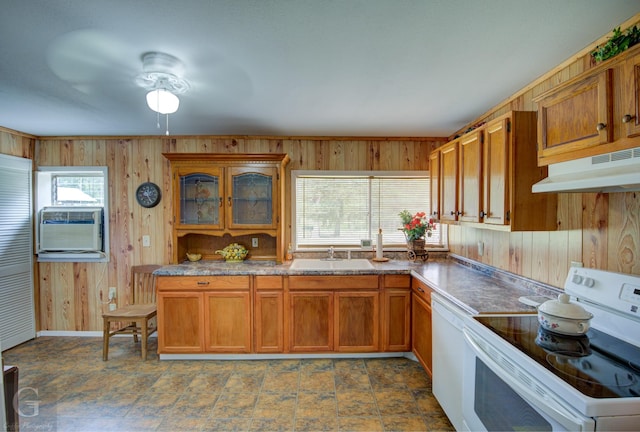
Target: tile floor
{"x":77,"y":391}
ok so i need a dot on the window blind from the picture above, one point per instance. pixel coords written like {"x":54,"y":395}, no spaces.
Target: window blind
{"x":341,"y":210}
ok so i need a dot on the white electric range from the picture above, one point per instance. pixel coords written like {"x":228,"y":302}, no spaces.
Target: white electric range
{"x":519,"y":376}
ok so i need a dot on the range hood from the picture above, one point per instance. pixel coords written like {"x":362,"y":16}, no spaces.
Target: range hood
{"x":611,"y":172}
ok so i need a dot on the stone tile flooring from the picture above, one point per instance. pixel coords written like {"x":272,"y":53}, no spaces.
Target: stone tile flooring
{"x":77,"y":391}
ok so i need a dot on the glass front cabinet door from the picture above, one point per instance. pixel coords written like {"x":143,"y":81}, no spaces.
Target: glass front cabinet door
{"x":250,"y":197}
{"x":200,"y":200}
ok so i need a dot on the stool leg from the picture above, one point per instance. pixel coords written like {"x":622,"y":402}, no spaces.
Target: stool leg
{"x":105,"y":339}
{"x":145,"y":330}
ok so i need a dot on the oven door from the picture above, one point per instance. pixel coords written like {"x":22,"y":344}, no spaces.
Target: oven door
{"x":499,"y":395}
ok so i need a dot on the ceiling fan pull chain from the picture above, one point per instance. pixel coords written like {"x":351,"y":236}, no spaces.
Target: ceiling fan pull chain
{"x":157,"y":120}
{"x":167,"y":133}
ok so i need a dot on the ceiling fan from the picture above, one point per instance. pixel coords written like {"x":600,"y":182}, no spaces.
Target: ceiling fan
{"x":162,"y":78}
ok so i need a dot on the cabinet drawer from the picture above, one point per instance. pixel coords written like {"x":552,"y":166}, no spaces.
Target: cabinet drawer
{"x":191,"y":283}
{"x":268,"y":282}
{"x":333,"y":282}
{"x":397,"y":281}
{"x":421,"y":289}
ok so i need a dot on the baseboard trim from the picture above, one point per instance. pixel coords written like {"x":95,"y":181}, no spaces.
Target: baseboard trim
{"x":283,"y":356}
{"x":67,"y":333}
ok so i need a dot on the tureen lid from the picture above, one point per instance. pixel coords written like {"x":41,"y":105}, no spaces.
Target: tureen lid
{"x":563,"y":308}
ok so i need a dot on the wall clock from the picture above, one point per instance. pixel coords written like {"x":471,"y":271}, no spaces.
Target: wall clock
{"x":148,"y":195}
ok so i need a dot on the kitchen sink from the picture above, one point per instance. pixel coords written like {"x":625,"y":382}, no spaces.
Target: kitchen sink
{"x":320,"y":264}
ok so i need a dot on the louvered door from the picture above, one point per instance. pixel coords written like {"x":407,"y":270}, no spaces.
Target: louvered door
{"x":17,"y":312}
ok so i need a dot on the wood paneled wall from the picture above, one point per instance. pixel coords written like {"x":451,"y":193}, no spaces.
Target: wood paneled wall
{"x":72,"y":295}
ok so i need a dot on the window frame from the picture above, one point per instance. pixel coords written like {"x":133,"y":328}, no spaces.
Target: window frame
{"x":443,"y":246}
{"x":43,"y":198}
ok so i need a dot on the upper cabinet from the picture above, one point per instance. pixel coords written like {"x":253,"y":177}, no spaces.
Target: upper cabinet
{"x":449,"y":182}
{"x":487,"y":174}
{"x":470,"y":176}
{"x":594,"y":113}
{"x":630,"y":115}
{"x":434,"y":182}
{"x":576,"y":117}
{"x":251,"y":195}
{"x":227,"y":194}
{"x":200,"y":193}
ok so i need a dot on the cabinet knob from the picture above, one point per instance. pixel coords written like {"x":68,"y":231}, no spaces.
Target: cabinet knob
{"x":627,"y":118}
{"x":600,"y":126}
{"x":459,"y":213}
{"x":482,"y":214}
{"x":229,"y":201}
{"x":203,"y":283}
{"x":435,"y":213}
{"x":453,"y":213}
{"x":220,"y":204}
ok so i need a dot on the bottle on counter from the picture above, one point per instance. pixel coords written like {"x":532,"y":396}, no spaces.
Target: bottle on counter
{"x":289,"y":252}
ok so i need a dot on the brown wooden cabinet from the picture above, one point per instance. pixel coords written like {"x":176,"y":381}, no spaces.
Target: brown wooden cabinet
{"x":594,"y":113}
{"x":396,"y":313}
{"x":227,"y":321}
{"x":311,"y":317}
{"x":333,"y":313}
{"x":576,"y":117}
{"x":204,"y":314}
{"x":495,"y":191}
{"x":180,"y":322}
{"x":434,"y":183}
{"x":630,"y":93}
{"x":449,"y":182}
{"x":509,"y":172}
{"x":269,"y":314}
{"x":421,"y":333}
{"x":496,"y":167}
{"x":230,"y":193}
{"x":357,"y":321}
{"x":281,"y":314}
{"x":470,"y":176}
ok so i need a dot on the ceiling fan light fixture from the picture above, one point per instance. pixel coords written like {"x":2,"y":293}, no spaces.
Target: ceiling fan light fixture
{"x":163,"y":101}
{"x":162,"y":78}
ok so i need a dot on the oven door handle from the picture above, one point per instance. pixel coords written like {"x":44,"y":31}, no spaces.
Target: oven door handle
{"x":542,"y":400}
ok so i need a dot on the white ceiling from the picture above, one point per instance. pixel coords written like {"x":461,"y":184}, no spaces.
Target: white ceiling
{"x":284,"y":67}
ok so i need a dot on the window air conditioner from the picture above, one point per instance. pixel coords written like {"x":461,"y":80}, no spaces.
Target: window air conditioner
{"x":70,"y":229}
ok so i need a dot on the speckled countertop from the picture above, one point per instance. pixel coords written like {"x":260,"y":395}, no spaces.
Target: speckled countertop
{"x":476,"y":288}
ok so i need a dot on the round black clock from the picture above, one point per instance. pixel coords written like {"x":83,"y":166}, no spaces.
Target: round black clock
{"x":148,"y":195}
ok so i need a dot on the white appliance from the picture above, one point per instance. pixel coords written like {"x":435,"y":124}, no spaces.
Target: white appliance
{"x":518,"y":376}
{"x":447,"y":321}
{"x":611,"y":172}
{"x":70,"y":229}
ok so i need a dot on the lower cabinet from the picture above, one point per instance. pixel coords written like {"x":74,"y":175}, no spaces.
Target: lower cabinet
{"x":227,"y":321}
{"x":268,"y":315}
{"x":334,"y":313}
{"x":357,"y":319}
{"x":204,"y":314}
{"x":421,"y":324}
{"x":396,"y":313}
{"x":180,"y":322}
{"x":311,"y":318}
{"x":281,"y":314}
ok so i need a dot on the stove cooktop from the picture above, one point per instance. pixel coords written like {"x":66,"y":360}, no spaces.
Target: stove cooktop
{"x":596,"y":364}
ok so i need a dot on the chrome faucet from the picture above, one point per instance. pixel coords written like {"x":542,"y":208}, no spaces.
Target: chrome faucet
{"x":330,"y":251}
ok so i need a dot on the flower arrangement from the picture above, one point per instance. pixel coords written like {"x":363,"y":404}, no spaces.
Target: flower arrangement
{"x":416,"y":226}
